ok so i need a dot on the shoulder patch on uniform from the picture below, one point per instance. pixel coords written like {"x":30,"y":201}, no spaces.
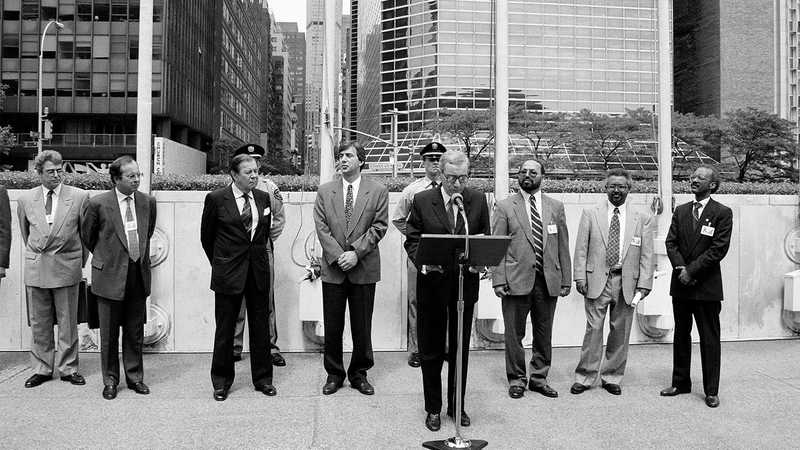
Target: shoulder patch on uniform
{"x":277,"y":194}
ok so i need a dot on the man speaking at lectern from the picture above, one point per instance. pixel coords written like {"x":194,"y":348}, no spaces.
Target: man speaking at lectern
{"x":442,"y":211}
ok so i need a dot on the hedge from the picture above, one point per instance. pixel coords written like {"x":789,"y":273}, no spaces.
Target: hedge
{"x":295,"y":183}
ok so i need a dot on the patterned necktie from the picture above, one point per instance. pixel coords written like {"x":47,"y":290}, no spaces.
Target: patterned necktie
{"x":247,"y":214}
{"x":348,"y":206}
{"x":433,"y":185}
{"x":133,"y":235}
{"x":696,"y":211}
{"x":612,"y":251}
{"x":536,"y":228}
{"x":48,"y":206}
{"x":450,"y":216}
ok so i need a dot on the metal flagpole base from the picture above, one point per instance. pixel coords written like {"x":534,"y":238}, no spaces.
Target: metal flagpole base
{"x":455,"y":442}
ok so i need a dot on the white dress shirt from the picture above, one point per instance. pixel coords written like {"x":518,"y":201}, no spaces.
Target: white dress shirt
{"x":356,"y":184}
{"x":123,"y":207}
{"x":527,"y":197}
{"x":622,"y":215}
{"x":238,"y":195}
{"x":703,"y":204}
{"x":56,"y":196}
{"x":447,"y":198}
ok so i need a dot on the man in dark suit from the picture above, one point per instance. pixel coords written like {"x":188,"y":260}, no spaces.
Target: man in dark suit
{"x":351,"y":215}
{"x":117,"y":228}
{"x":49,"y":221}
{"x":234,"y":232}
{"x":698,"y":239}
{"x":5,"y":231}
{"x":534,"y":273}
{"x":435,"y":211}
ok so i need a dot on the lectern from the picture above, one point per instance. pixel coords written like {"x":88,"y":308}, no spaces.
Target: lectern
{"x":466,"y":251}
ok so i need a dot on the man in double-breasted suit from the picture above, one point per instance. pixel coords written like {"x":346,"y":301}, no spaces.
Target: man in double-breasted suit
{"x":117,"y":228}
{"x":234,"y":232}
{"x":436,"y":211}
{"x":5,"y":231}
{"x":699,"y":237}
{"x":534,"y":273}
{"x":49,"y":221}
{"x":613,"y":262}
{"x":351,"y":215}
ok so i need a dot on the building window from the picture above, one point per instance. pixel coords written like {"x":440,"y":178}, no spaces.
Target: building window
{"x":133,"y":12}
{"x":119,"y":10}
{"x":117,"y":85}
{"x":82,"y":84}
{"x":83,"y":48}
{"x":64,"y":84}
{"x":11,"y":46}
{"x":66,"y":13}
{"x":11,"y":87}
{"x":30,"y":46}
{"x":157,"y":45}
{"x":48,"y":12}
{"x":30,"y":9}
{"x":99,"y":85}
{"x":157,"y":12}
{"x":102,"y":10}
{"x":119,"y":47}
{"x":11,"y":15}
{"x":133,"y":48}
{"x":84,"y":10}
{"x":66,"y":49}
{"x":100,"y":48}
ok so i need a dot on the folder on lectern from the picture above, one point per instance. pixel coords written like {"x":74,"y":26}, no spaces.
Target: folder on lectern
{"x":444,"y":249}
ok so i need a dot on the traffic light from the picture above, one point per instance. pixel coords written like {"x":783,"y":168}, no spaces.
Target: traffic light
{"x":309,"y":141}
{"x":47,"y":132}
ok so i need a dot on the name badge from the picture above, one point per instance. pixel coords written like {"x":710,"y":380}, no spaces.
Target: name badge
{"x":636,"y":241}
{"x":552,"y":229}
{"x":49,"y":218}
{"x":707,"y":231}
{"x":266,"y":211}
{"x":130,"y":226}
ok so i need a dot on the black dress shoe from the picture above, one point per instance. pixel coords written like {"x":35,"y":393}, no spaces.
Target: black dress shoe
{"x":465,"y":422}
{"x":277,"y":360}
{"x":612,"y":388}
{"x":413,"y":360}
{"x":712,"y":401}
{"x":578,"y":388}
{"x":75,"y":378}
{"x":110,"y":392}
{"x":673,"y":391}
{"x":363,"y":386}
{"x":331,"y":387}
{"x":267,"y":389}
{"x":237,"y":357}
{"x":37,"y":379}
{"x":516,"y":391}
{"x":220,"y":395}
{"x":545,"y":390}
{"x":433,"y":422}
{"x":139,"y":388}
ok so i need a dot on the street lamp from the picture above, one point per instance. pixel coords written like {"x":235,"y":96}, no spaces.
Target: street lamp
{"x":60,"y":26}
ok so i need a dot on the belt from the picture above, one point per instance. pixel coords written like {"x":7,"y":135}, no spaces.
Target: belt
{"x":615,"y":271}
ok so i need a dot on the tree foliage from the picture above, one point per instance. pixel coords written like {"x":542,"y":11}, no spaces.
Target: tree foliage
{"x":759,"y":141}
{"x":7,"y":138}
{"x":545,"y":131}
{"x":604,"y":136}
{"x":466,"y":125}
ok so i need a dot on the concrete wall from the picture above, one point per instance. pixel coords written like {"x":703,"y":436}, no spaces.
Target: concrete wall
{"x":182,"y":309}
{"x":170,"y":157}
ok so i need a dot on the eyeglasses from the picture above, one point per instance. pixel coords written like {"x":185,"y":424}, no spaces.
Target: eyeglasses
{"x":529,"y":172}
{"x":133,"y":176}
{"x":617,"y":187}
{"x":453,"y":178}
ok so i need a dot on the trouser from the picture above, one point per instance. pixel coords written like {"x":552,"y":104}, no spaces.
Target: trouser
{"x":542,"y":308}
{"x":413,"y":346}
{"x":706,"y":314}
{"x":238,"y":336}
{"x":620,"y":320}
{"x":226,"y":310}
{"x":361,"y":300}
{"x":130,"y":313}
{"x":45,"y":304}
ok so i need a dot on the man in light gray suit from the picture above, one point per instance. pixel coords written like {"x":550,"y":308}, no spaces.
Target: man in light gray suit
{"x":49,"y":221}
{"x":534,"y":273}
{"x":613,"y":263}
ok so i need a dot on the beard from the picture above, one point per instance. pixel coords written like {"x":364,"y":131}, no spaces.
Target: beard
{"x":529,"y":185}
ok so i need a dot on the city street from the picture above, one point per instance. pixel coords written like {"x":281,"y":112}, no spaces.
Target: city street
{"x":760,"y":394}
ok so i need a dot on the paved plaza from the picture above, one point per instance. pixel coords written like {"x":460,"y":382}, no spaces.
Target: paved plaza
{"x":760,"y":394}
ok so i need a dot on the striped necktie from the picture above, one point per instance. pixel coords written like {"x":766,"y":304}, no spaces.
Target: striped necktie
{"x":133,"y":235}
{"x":536,"y":229}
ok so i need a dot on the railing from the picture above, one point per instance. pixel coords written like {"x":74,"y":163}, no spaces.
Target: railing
{"x":80,"y":140}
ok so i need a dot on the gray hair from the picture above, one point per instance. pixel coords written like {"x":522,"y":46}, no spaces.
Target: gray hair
{"x":453,"y":157}
{"x":47,"y":155}
{"x":619,"y":172}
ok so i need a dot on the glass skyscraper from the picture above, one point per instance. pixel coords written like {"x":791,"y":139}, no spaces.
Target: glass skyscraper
{"x":564,"y":56}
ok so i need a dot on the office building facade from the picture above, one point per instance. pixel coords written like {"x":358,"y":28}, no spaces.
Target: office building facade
{"x":294,"y":42}
{"x":365,"y":63}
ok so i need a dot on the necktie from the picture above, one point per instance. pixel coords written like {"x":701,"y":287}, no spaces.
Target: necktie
{"x":696,"y":211}
{"x":133,"y":235}
{"x":536,"y":229}
{"x":450,"y":218}
{"x":612,"y":251}
{"x":48,"y":206}
{"x":247,"y":214}
{"x":348,"y":206}
{"x":433,"y":185}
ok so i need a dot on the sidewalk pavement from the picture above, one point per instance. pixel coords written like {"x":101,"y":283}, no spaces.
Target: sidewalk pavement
{"x":760,"y":406}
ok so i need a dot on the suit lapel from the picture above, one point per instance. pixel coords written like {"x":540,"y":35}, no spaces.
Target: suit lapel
{"x":708,"y":213}
{"x":459,"y":220}
{"x":601,"y":218}
{"x":358,"y":209}
{"x":62,"y":210}
{"x":546,"y":212}
{"x":521,"y":210}
{"x":38,"y":207}
{"x":631,"y":221}
{"x":116,"y":216}
{"x":440,"y":211}
{"x":233,"y":210}
{"x":259,"y":213}
{"x":142,"y":220}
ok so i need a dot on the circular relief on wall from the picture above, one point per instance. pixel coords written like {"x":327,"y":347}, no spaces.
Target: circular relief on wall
{"x":157,"y":326}
{"x":159,"y":247}
{"x":791,"y":245}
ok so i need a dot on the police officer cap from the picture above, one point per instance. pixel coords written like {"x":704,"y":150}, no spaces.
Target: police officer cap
{"x":433,"y":149}
{"x":253,"y":150}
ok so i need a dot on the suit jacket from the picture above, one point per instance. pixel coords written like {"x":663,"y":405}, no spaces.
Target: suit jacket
{"x":103,"y":233}
{"x":699,"y":253}
{"x":370,"y":221}
{"x":516,"y":269}
{"x":228,"y":245}
{"x":590,"y":251}
{"x":5,"y":227}
{"x":54,"y":255}
{"x":429,"y":216}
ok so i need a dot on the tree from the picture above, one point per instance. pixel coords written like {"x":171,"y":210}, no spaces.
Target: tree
{"x":7,"y":138}
{"x":758,"y":140}
{"x":466,"y":126}
{"x":604,"y":135}
{"x":701,"y":133}
{"x":545,"y":131}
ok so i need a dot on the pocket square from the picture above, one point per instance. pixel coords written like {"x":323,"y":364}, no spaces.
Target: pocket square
{"x":266,"y":211}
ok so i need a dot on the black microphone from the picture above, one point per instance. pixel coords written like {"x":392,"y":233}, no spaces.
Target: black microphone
{"x":458,"y":200}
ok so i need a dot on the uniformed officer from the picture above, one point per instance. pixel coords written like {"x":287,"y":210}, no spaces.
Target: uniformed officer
{"x":278,"y":221}
{"x":430,"y":161}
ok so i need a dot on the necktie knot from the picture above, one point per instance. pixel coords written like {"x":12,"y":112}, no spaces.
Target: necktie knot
{"x":50,"y":193}
{"x":616,"y":210}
